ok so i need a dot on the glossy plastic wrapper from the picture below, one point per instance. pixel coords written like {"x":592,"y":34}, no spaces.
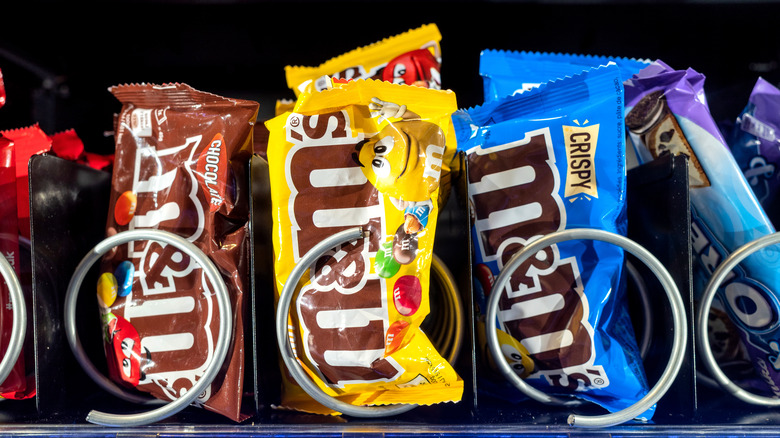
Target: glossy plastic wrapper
{"x":550,"y":159}
{"x":15,"y":385}
{"x":366,"y":154}
{"x":508,"y":72}
{"x":753,"y":140}
{"x":410,"y":58}
{"x":181,"y":157}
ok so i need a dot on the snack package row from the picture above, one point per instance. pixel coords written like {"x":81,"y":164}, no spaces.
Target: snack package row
{"x":374,"y":153}
{"x":370,"y":142}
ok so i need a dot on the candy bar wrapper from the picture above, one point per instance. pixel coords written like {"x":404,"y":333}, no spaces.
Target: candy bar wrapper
{"x":545,"y":160}
{"x":666,"y":113}
{"x":508,"y":72}
{"x":411,"y":58}
{"x":753,"y":141}
{"x":364,"y":154}
{"x":28,"y":141}
{"x":180,"y":166}
{"x":68,"y":146}
{"x":15,"y":385}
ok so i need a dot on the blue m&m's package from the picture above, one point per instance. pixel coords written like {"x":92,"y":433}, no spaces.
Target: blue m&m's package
{"x":508,"y":72}
{"x":545,"y":160}
{"x":667,"y":112}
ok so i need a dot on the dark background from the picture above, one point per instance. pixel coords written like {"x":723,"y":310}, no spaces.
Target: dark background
{"x":59,"y":58}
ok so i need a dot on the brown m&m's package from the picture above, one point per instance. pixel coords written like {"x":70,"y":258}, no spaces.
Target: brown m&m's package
{"x":365,"y":154}
{"x":179,"y":166}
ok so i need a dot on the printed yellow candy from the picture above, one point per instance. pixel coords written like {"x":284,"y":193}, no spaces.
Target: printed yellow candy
{"x":106,"y":289}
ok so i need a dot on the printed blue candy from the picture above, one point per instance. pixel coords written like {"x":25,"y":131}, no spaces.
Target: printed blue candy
{"x":124,"y":277}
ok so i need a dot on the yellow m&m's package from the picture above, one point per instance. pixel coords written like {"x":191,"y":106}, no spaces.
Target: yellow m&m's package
{"x":365,"y":154}
{"x":410,"y":58}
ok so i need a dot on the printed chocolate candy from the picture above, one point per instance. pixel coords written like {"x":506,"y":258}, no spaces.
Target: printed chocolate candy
{"x":404,"y":246}
{"x":411,"y":58}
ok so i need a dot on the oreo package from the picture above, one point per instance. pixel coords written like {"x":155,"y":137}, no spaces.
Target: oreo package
{"x":667,"y":113}
{"x":541,"y":161}
{"x":508,"y":72}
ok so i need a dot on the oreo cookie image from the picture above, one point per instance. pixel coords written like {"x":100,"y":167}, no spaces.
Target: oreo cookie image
{"x":655,"y":124}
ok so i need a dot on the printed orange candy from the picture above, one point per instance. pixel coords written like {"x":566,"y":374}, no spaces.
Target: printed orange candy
{"x":395,"y":334}
{"x":124,"y":210}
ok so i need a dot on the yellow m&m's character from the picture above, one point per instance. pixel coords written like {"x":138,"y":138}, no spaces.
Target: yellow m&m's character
{"x":403,"y":160}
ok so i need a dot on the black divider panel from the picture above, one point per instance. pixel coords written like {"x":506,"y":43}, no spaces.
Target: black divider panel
{"x":659,"y":220}
{"x":68,"y":207}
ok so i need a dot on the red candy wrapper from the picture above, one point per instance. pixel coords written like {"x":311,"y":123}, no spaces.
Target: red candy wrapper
{"x":67,"y":145}
{"x":181,"y":158}
{"x":28,"y":141}
{"x":16,"y":385}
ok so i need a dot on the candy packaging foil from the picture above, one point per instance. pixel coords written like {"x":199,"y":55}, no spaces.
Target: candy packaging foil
{"x":410,"y":58}
{"x":545,"y":160}
{"x":180,"y":166}
{"x":508,"y":72}
{"x":754,"y":139}
{"x":15,"y":385}
{"x":367,"y":154}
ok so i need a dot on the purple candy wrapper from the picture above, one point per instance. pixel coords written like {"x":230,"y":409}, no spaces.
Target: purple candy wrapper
{"x":755,"y":139}
{"x":667,"y":112}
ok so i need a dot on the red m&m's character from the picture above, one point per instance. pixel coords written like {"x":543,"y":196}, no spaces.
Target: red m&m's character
{"x":418,"y":67}
{"x":128,"y":362}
